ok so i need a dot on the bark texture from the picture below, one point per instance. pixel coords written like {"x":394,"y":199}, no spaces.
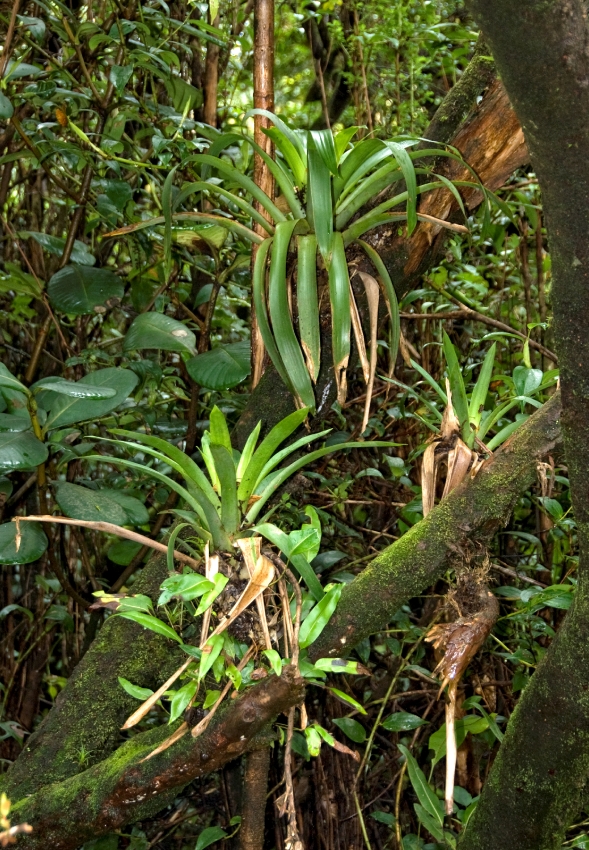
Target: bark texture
{"x":126,"y":788}
{"x":474,"y":511}
{"x":542,"y":53}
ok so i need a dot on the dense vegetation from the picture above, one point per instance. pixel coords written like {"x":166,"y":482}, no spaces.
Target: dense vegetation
{"x":287,"y":381}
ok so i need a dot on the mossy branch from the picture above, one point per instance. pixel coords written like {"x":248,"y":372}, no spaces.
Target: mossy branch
{"x":125,"y":787}
{"x":472,"y":512}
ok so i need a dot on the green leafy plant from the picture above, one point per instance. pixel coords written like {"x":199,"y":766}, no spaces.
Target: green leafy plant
{"x":325,"y":181}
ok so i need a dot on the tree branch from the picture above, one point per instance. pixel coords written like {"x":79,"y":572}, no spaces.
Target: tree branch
{"x":126,"y":787}
{"x":472,"y":512}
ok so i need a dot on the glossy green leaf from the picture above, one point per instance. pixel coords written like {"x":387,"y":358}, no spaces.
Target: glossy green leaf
{"x":6,"y":108}
{"x":181,"y":698}
{"x":286,"y":340}
{"x":137,"y":513}
{"x":134,"y":690}
{"x":151,"y":623}
{"x":318,"y":618}
{"x":122,"y":552}
{"x":348,"y":699}
{"x":81,"y":289}
{"x":55,"y":245}
{"x":308,"y":302}
{"x":481,"y":388}
{"x":219,"y":584}
{"x":209,"y":836}
{"x":281,"y":540}
{"x":187,"y":587}
{"x":230,"y":197}
{"x":73,"y":389}
{"x":351,"y":728}
{"x":184,"y":96}
{"x":9,"y":422}
{"x":402,"y":721}
{"x":67,"y":411}
{"x":337,"y":665}
{"x":324,"y":143}
{"x":408,"y":169}
{"x":21,"y":450}
{"x":290,"y":153}
{"x":210,"y":652}
{"x":274,"y":660}
{"x":246,"y":455}
{"x":526,"y":380}
{"x":33,"y":543}
{"x":120,"y":76}
{"x":91,"y":505}
{"x":155,"y":330}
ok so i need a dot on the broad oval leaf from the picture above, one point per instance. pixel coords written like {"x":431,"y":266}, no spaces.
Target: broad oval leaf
{"x":223,"y":367}
{"x":6,"y":108}
{"x":67,"y":411}
{"x":80,"y":289}
{"x":32,"y":544}
{"x":137,"y":513}
{"x":154,"y":330}
{"x":9,"y":422}
{"x":90,"y":505}
{"x":350,"y":727}
{"x":402,"y":721}
{"x":122,"y":552}
{"x":73,"y":389}
{"x":21,"y":451}
{"x":208,"y":836}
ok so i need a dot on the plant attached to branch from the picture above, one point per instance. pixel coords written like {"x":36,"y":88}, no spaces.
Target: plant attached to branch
{"x":325,"y":181}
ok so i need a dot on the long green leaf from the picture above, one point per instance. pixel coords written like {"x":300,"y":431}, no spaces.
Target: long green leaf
{"x":408,"y":169}
{"x":319,"y":202}
{"x":324,"y":143}
{"x":278,"y":457}
{"x":286,"y":341}
{"x":248,"y":451}
{"x":152,"y":623}
{"x":283,"y":474}
{"x":225,"y":467}
{"x":341,"y":315}
{"x":291,"y":135}
{"x":206,"y":218}
{"x":231,"y":197}
{"x":245,"y":182}
{"x":172,"y":544}
{"x":266,"y":449}
{"x":290,"y":153}
{"x":167,"y":211}
{"x":261,"y":308}
{"x":218,"y":429}
{"x":174,"y":457}
{"x":459,"y":401}
{"x":308,"y":302}
{"x":426,"y":796}
{"x":481,"y":388}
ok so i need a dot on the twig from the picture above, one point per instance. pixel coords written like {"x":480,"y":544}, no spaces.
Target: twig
{"x":110,"y":528}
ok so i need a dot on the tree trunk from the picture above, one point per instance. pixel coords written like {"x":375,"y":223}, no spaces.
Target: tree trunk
{"x":542,"y":54}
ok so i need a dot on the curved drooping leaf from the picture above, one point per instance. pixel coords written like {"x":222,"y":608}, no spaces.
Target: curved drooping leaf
{"x":81,"y":289}
{"x":32,"y":543}
{"x":21,"y":450}
{"x":221,"y":368}
{"x":67,"y":411}
{"x":90,"y":505}
{"x":154,"y":330}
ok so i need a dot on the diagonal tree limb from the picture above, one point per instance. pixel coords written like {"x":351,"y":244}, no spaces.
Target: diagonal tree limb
{"x":125,"y":788}
{"x":474,"y":511}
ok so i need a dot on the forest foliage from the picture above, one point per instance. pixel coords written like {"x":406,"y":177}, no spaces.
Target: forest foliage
{"x":132,"y":262}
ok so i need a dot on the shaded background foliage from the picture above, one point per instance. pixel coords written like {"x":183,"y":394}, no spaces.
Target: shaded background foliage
{"x":98,"y":103}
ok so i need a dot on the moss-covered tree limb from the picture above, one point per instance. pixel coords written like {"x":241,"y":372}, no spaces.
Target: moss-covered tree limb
{"x":542,"y":52}
{"x":472,"y":512}
{"x":88,"y":714}
{"x":125,"y":788}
